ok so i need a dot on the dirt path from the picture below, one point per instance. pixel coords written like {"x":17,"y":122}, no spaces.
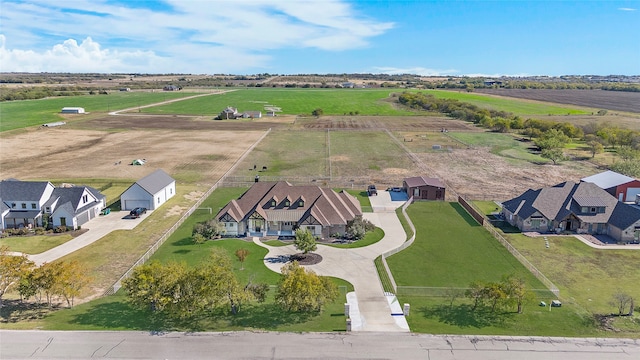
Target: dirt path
{"x":117,"y":112}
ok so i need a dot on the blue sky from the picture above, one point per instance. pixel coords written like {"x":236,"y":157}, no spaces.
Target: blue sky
{"x":488,"y":38}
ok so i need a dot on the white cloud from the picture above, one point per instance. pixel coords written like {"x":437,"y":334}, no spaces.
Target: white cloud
{"x":626,"y":9}
{"x":415,"y":70}
{"x":194,"y":36}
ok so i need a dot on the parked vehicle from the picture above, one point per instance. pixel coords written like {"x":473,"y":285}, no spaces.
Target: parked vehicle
{"x":105,"y":211}
{"x":371,"y":190}
{"x":137,"y":212}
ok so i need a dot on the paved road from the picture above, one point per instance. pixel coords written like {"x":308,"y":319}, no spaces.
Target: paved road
{"x":98,"y":228}
{"x":357,"y":267}
{"x":268,"y":345}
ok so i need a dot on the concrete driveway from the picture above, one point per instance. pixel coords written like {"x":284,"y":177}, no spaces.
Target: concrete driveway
{"x":357,"y":267}
{"x":98,"y":228}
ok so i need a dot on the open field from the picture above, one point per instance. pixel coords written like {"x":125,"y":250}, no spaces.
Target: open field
{"x":189,"y":156}
{"x":586,"y":276}
{"x":396,"y":123}
{"x":290,"y":101}
{"x":19,"y":114}
{"x":522,"y":108}
{"x":331,"y":157}
{"x":597,"y":99}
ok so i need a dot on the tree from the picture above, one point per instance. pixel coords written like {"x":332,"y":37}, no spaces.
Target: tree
{"x":242,"y":254}
{"x":317,"y":112}
{"x":554,"y":155}
{"x":551,"y":143}
{"x":300,"y":290}
{"x":12,"y":270}
{"x":358,"y":227}
{"x":476,"y":293}
{"x":515,"y":290}
{"x":71,"y":278}
{"x":621,"y":300}
{"x":305,"y":241}
{"x":153,"y":285}
{"x":209,"y":229}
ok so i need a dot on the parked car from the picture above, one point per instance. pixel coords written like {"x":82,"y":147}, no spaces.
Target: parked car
{"x":105,"y":211}
{"x":137,"y":212}
{"x":371,"y":190}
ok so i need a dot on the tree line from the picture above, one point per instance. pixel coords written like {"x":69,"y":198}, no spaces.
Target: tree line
{"x":62,"y":279}
{"x":550,"y":136}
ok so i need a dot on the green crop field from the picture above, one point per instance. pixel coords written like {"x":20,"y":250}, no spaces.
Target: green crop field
{"x":522,"y":108}
{"x":23,"y":113}
{"x":290,"y":101}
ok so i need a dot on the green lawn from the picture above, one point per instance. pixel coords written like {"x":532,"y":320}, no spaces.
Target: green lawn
{"x":113,"y":313}
{"x":487,"y":207}
{"x":362,"y":197}
{"x":23,"y":113}
{"x":291,"y":101}
{"x":371,"y":237}
{"x":451,"y":249}
{"x":518,"y":107}
{"x":34,"y":244}
{"x":584,"y":275}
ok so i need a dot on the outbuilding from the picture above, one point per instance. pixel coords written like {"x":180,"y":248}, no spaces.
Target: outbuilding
{"x":149,"y":192}
{"x":424,"y":188}
{"x":72,"y":110}
{"x":622,"y":187}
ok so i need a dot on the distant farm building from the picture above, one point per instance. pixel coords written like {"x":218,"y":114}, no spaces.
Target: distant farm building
{"x":252,"y":114}
{"x":72,"y":110}
{"x":171,"y":88}
{"x":232,"y":113}
{"x":125,"y":89}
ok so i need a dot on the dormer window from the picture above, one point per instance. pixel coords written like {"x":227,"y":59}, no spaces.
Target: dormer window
{"x":24,"y":206}
{"x":273,"y":203}
{"x":33,"y":205}
{"x":13,"y":205}
{"x":301,"y":203}
{"x":287,"y":203}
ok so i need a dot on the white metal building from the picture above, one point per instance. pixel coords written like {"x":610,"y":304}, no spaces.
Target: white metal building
{"x":149,"y":192}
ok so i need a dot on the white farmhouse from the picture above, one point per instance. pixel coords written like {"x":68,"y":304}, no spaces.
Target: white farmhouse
{"x":149,"y":192}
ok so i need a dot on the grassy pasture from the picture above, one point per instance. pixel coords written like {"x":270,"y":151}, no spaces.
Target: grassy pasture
{"x":586,"y":276}
{"x":518,"y":107}
{"x":353,"y":154}
{"x":291,"y":101}
{"x":23,"y":113}
{"x":504,"y":145}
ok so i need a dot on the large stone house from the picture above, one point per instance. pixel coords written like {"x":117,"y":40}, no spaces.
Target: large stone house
{"x":35,"y":203}
{"x":279,"y":208}
{"x":582,"y":208}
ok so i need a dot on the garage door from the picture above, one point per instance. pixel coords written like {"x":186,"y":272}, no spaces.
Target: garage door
{"x":131,"y":204}
{"x":83,"y":218}
{"x":631,"y":193}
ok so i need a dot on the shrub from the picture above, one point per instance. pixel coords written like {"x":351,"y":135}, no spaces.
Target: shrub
{"x":40,"y":230}
{"x":60,"y":229}
{"x":358,"y":227}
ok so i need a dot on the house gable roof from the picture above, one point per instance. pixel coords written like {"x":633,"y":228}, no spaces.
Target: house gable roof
{"x":608,"y":179}
{"x":559,"y":201}
{"x":155,"y":181}
{"x":423,"y":181}
{"x":325,"y":205}
{"x":16,"y":190}
{"x":624,"y":215}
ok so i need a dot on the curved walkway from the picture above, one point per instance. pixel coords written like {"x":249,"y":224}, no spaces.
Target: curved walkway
{"x":356,"y":266}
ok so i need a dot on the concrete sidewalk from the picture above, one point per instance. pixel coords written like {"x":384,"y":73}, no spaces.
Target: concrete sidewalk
{"x":357,"y":267}
{"x":98,"y":228}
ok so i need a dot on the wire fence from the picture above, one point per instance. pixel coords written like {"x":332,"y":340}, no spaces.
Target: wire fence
{"x":425,"y":291}
{"x":118,"y":284}
{"x":344,"y":182}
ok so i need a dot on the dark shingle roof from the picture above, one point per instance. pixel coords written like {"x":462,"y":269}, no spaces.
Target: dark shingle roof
{"x":15,"y":190}
{"x":326,"y":205}
{"x":155,"y":181}
{"x":624,"y":215}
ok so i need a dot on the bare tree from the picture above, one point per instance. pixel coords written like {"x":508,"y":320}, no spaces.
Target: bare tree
{"x":621,"y":300}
